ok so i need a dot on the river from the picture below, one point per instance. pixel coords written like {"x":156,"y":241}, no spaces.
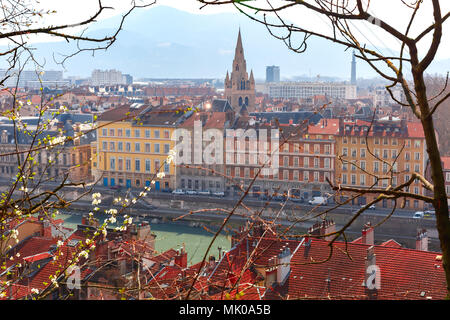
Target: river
{"x":172,"y":235}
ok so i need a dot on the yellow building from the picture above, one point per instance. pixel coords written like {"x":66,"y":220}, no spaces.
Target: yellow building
{"x":133,"y":143}
{"x":396,"y":145}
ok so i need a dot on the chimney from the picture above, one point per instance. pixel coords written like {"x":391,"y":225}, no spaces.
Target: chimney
{"x":367,"y":234}
{"x":212,"y":263}
{"x":422,"y":240}
{"x":372,"y":277}
{"x":181,"y":258}
{"x":284,"y":264}
{"x":291,"y":121}
{"x":323,"y":228}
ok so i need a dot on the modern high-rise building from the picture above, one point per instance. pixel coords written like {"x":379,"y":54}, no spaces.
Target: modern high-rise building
{"x":353,"y":76}
{"x":239,"y":87}
{"x":272,"y":74}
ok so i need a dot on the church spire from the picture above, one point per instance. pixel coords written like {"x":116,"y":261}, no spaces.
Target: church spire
{"x":239,"y":48}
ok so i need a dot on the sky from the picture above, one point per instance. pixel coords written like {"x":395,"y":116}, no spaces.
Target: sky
{"x":393,"y":12}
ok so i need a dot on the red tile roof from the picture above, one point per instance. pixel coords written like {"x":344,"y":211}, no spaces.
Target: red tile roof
{"x":415,"y":130}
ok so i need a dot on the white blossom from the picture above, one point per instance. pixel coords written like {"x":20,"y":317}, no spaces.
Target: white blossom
{"x":34,"y":290}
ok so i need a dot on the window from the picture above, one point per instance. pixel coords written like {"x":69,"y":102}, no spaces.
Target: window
{"x":120,"y":164}
{"x":353,"y":179}
{"x":394,"y":154}
{"x":407,"y":167}
{"x":417,"y":167}
{"x":385,"y":141}
{"x":105,"y":146}
{"x":363,"y":153}
{"x":407,"y":156}
{"x":344,"y":166}
{"x":147,"y":165}
{"x":285,"y":174}
{"x":156,"y":134}
{"x":385,"y":153}
{"x":295,"y":175}
{"x":327,"y":149}
{"x":362,"y":179}
{"x":166,"y":134}
{"x":448,"y":176}
{"x":317,"y":148}
{"x":128,"y":164}
{"x":316,"y":176}
{"x":167,"y":168}
{"x":137,"y":147}
{"x":128,"y":147}
{"x":376,"y":152}
{"x":344,"y":179}
{"x":147,"y":133}
{"x":104,"y":132}
{"x":147,"y":148}
{"x":354,"y":140}
{"x":327,"y":163}
{"x":353,"y":153}
{"x":119,"y":132}
{"x":137,"y":133}
{"x":385,"y":167}
{"x":128,"y":133}
{"x":120,"y":146}
{"x":296,"y":148}
{"x":296,"y":162}
{"x":305,"y":176}
{"x":408,"y":143}
{"x":416,"y":143}
{"x":157,"y":166}
{"x":363,"y":165}
{"x":237,"y":172}
{"x":316,"y":162}
{"x":306,"y":148}
{"x":344,"y":152}
{"x":112,"y":163}
{"x":137,"y":165}
{"x":394,"y":141}
{"x":156,"y":147}
{"x":344,"y":140}
{"x":416,"y":155}
{"x":111,"y":146}
{"x":111,"y":132}
{"x":166,"y":148}
{"x":377,"y":141}
{"x":306,"y":162}
{"x":376,"y":166}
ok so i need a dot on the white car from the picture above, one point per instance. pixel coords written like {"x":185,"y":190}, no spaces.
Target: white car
{"x":318,"y":201}
{"x":191,"y":192}
{"x":204,"y":192}
{"x":418,"y":215}
{"x":372,"y":207}
{"x":218,"y":194}
{"x":178,"y":191}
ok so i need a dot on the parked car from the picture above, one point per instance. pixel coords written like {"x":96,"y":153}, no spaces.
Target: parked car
{"x":372,"y":207}
{"x":318,"y":201}
{"x":115,"y":187}
{"x":279,"y":198}
{"x":218,"y":194}
{"x":178,"y":191}
{"x":431,"y":212}
{"x":418,"y":215}
{"x":168,"y":190}
{"x":205,"y":192}
{"x":191,"y":192}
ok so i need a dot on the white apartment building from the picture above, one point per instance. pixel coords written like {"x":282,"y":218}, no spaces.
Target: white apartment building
{"x":303,"y":90}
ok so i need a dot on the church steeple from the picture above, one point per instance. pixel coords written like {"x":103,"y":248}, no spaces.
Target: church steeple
{"x":239,"y":87}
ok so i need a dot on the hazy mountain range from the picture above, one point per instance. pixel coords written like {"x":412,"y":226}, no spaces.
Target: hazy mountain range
{"x":162,"y":42}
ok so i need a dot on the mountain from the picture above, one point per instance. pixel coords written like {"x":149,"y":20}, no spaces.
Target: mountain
{"x":163,"y":42}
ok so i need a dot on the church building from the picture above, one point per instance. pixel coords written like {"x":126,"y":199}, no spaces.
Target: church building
{"x":239,"y":87}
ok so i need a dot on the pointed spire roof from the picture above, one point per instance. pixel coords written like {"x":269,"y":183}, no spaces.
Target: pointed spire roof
{"x":239,"y":48}
{"x":251,"y":76}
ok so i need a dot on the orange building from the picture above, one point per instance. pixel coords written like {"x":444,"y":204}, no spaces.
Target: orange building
{"x":387,"y":154}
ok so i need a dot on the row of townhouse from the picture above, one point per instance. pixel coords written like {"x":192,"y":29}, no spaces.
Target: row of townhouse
{"x":71,"y":159}
{"x":228,"y":152}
